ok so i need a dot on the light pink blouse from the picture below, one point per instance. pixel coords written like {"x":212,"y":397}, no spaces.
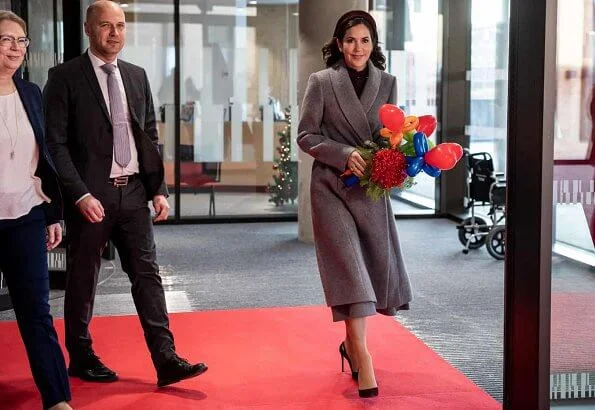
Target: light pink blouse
{"x":20,"y":189}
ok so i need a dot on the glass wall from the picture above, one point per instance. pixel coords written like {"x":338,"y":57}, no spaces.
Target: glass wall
{"x":238,"y":95}
{"x":45,"y":32}
{"x":486,"y":127}
{"x":238,"y":91}
{"x":45,"y":29}
{"x":488,"y":80}
{"x":411,"y":36}
{"x":150,"y":44}
{"x":573,"y":279}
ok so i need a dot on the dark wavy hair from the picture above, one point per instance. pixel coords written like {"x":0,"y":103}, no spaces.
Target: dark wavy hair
{"x":331,"y":53}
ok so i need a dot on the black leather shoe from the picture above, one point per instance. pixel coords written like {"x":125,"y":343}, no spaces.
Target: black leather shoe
{"x":87,"y":366}
{"x":177,"y":369}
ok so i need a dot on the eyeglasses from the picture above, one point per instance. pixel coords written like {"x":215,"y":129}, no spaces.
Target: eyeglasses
{"x":8,"y":41}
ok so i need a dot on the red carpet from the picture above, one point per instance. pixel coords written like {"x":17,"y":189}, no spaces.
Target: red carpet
{"x":573,"y":327}
{"x":284,"y":358}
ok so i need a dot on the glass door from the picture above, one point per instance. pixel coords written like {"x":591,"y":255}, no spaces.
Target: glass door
{"x":411,"y":37}
{"x":238,"y":87}
{"x":572,"y":365}
{"x":45,"y":31}
{"x":488,"y":80}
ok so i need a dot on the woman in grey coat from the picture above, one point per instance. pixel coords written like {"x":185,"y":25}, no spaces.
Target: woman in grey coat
{"x":357,"y":246}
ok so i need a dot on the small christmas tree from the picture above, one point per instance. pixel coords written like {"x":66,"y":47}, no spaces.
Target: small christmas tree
{"x":284,"y":188}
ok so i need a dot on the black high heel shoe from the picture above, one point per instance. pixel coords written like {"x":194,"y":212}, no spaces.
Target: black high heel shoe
{"x":345,"y":356}
{"x":370,"y":392}
{"x":366,"y":393}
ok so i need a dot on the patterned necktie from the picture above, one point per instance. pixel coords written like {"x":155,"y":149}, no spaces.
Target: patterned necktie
{"x":119,"y":120}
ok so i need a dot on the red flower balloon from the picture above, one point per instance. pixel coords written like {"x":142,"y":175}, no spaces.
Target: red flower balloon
{"x":392,"y":117}
{"x":427,"y":124}
{"x":388,"y":168}
{"x":444,"y":156}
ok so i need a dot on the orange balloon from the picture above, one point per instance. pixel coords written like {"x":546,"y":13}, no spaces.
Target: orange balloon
{"x":392,"y":117}
{"x":411,"y":123}
{"x":395,"y":139}
{"x":385,"y":132}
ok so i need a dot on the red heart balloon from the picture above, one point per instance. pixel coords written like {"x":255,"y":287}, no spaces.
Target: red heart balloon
{"x":427,"y":124}
{"x":392,"y":117}
{"x":444,"y":156}
{"x":455,"y":149}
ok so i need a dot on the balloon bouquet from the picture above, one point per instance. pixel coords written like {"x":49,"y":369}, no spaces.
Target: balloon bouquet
{"x":402,"y":152}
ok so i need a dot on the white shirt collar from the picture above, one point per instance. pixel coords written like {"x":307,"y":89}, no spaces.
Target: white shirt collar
{"x":98,"y":62}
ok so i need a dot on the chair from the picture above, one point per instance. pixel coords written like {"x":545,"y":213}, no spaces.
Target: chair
{"x":196,"y":177}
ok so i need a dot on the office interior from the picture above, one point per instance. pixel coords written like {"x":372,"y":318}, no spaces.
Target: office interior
{"x":227,"y":79}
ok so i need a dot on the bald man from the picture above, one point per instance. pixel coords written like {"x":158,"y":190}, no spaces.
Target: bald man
{"x":101,"y":133}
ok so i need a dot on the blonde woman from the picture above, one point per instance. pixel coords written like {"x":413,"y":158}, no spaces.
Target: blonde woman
{"x":30,"y":208}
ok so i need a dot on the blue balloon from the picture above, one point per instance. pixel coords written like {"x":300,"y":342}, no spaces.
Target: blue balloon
{"x":420,"y":143}
{"x":414,"y":165}
{"x":350,"y":180}
{"x":431,"y":171}
{"x":418,"y":163}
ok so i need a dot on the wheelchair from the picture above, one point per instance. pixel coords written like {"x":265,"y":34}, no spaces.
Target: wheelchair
{"x":484,"y":187}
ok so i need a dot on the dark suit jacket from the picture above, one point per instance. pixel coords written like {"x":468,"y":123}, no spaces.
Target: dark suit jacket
{"x":79,"y":128}
{"x":30,"y":95}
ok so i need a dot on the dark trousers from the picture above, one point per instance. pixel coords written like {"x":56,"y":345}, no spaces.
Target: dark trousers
{"x":23,"y":260}
{"x":127,"y":223}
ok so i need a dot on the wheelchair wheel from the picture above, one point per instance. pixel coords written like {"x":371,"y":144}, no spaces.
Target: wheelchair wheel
{"x":467,"y":230}
{"x":496,"y":242}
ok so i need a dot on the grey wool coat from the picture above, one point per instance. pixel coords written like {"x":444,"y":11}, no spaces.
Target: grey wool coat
{"x":357,"y":247}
